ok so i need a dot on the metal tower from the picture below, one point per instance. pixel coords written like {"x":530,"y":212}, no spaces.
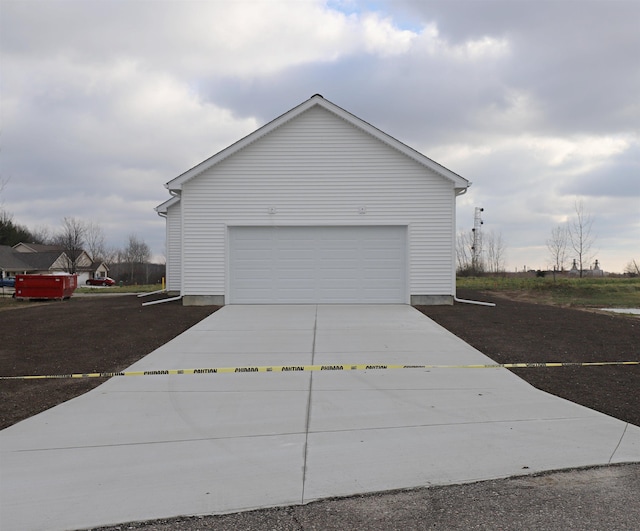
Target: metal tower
{"x":476,"y":250}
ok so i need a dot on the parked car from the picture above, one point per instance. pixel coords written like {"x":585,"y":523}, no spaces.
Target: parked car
{"x":100,"y":281}
{"x":8,"y":282}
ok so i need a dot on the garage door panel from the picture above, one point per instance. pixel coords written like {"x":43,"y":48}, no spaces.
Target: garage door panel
{"x":286,"y":293}
{"x":293,"y":264}
{"x":326,"y":277}
{"x":326,"y":267}
{"x":378,"y":278}
{"x":391,"y":264}
{"x":255,"y":273}
{"x":317,"y":264}
{"x":380,"y":254}
{"x":285,"y":255}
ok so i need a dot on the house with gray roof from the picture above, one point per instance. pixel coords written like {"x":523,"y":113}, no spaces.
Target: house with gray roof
{"x":38,"y":259}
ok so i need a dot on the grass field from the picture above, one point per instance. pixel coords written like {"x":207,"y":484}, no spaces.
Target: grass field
{"x":8,"y":302}
{"x":576,"y":292}
{"x":135,"y":288}
{"x":580,"y":292}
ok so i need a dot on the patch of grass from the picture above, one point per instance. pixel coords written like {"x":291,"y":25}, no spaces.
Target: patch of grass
{"x":6,"y":301}
{"x":134,"y":288}
{"x":584,"y":292}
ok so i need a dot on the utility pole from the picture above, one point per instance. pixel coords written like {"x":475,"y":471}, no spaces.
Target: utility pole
{"x":476,"y":258}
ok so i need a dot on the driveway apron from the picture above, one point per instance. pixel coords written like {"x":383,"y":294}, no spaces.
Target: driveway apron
{"x":139,"y":448}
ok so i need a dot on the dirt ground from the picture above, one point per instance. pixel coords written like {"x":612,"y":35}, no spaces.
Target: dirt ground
{"x":108,"y":333}
{"x":518,"y":332}
{"x":103,"y":333}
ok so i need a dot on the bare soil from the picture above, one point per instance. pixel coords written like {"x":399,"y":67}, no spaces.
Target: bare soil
{"x":515,"y":331}
{"x":102,"y":333}
{"x":109,"y":333}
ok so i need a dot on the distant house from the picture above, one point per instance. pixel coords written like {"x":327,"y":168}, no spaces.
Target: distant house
{"x":11,"y":263}
{"x":31,"y":258}
{"x":317,"y":206}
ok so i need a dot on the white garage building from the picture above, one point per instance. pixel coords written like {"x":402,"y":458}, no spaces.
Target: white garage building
{"x":317,"y":206}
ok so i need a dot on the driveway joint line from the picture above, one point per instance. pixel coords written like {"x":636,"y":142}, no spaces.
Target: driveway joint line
{"x":308,"y":419}
{"x":619,"y":442}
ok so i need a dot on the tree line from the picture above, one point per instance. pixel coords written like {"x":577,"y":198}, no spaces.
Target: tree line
{"x":570,"y":247}
{"x":571,"y":244}
{"x":480,"y":253}
{"x":129,"y":264}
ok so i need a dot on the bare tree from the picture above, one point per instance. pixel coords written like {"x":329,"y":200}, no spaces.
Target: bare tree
{"x":112,"y":255}
{"x":137,"y":250}
{"x":41,"y":234}
{"x":633,"y":269}
{"x":495,"y":249}
{"x":71,"y":239}
{"x":464,"y":253}
{"x":581,"y":236}
{"x":557,"y":246}
{"x":136,"y":254}
{"x":95,"y":241}
{"x":477,"y":253}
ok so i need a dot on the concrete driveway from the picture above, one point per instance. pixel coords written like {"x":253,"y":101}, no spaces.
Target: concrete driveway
{"x":139,"y":448}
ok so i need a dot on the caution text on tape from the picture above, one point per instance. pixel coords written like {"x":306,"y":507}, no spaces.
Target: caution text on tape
{"x":308,"y":368}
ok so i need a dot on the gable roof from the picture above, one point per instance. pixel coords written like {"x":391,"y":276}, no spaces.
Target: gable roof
{"x":460,"y":183}
{"x":37,"y":257}
{"x":23,"y":247}
{"x":162,"y":209}
{"x":11,"y":260}
{"x":42,"y":260}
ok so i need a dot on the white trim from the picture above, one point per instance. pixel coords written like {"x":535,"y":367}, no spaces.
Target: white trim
{"x":163,"y":207}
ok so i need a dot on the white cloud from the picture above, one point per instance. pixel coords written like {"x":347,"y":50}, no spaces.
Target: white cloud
{"x":381,"y":37}
{"x":483,"y":48}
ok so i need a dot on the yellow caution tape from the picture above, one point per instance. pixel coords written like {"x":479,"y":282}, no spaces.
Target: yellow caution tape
{"x":308,"y":368}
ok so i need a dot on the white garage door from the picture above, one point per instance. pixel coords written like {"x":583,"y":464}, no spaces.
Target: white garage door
{"x":298,"y":265}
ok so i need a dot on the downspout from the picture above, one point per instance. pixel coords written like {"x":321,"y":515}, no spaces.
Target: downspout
{"x":140,"y":295}
{"x":170,"y":299}
{"x":465,"y":301}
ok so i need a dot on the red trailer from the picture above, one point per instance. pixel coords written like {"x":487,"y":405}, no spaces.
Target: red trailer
{"x":45,"y":286}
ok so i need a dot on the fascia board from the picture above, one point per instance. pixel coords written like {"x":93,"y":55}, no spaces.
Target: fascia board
{"x":162,"y":208}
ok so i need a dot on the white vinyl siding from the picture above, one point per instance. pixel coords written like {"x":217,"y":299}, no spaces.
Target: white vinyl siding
{"x":318,"y":169}
{"x":174,"y":247}
{"x":302,"y":265}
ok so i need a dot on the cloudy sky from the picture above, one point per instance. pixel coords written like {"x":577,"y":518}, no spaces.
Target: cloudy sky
{"x":537,"y":102}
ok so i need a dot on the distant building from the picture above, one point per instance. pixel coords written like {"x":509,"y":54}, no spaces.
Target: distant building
{"x":596,"y":271}
{"x":36,"y":259}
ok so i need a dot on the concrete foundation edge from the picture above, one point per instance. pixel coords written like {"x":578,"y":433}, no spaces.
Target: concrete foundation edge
{"x":416,"y":300}
{"x":203,"y":300}
{"x":431,"y":300}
